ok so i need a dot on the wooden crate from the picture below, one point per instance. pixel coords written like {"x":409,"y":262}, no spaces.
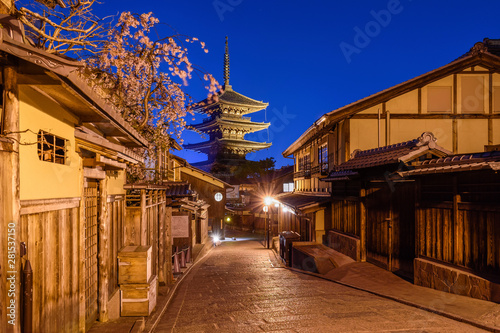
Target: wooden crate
{"x":138,"y":299}
{"x":134,"y":265}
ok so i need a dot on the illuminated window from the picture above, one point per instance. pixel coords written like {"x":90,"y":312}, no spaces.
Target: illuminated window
{"x":51,"y":148}
{"x":287,"y":187}
{"x":439,"y":99}
{"x":472,"y":94}
{"x":323,"y":158}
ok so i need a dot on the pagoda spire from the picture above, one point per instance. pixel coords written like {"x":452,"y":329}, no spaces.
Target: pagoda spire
{"x":226,"y":66}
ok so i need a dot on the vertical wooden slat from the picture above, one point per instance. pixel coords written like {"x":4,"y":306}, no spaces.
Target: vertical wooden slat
{"x":168,"y":242}
{"x":362,"y":224}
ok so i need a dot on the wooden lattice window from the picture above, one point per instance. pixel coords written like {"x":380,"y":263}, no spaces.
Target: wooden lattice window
{"x":51,"y":148}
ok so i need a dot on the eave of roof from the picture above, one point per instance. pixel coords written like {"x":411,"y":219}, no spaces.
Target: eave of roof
{"x":231,"y":97}
{"x":387,"y":155}
{"x":331,"y":118}
{"x":215,"y":123}
{"x":246,"y":144}
{"x":456,"y":163}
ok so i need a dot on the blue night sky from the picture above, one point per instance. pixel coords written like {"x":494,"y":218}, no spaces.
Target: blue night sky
{"x":309,"y":58}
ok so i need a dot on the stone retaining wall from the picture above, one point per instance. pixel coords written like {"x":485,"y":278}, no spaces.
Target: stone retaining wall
{"x":433,"y":275}
{"x":347,"y":245}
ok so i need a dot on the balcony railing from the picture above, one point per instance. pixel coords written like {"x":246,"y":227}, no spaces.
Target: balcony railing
{"x":305,"y":172}
{"x":153,"y":176}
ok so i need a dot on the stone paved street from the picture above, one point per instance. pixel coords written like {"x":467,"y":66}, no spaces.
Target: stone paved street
{"x":237,"y":288}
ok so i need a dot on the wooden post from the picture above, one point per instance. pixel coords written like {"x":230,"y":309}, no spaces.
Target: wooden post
{"x":143,"y":224}
{"x":10,"y":201}
{"x":387,"y":128}
{"x":347,"y":139}
{"x":103,"y":252}
{"x":81,"y":253}
{"x":362,"y":224}
{"x":455,"y":111}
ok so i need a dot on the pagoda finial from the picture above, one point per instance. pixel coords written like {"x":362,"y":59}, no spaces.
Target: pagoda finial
{"x":226,"y":66}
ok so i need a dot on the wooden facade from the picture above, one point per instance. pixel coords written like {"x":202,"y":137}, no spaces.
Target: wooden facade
{"x":435,"y":222}
{"x":458,"y":102}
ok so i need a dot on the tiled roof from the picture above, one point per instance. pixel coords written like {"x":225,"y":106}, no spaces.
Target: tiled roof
{"x":298,"y":201}
{"x":179,"y":190}
{"x":385,"y":156}
{"x":230,"y":96}
{"x":457,"y":163}
{"x":379,"y":156}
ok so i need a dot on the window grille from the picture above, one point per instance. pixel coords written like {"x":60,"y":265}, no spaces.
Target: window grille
{"x":51,"y":148}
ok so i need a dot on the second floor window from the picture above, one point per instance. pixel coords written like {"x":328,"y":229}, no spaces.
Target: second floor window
{"x":323,"y":158}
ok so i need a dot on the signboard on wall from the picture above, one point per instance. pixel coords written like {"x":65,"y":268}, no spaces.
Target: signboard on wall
{"x":180,"y":226}
{"x":233,"y":193}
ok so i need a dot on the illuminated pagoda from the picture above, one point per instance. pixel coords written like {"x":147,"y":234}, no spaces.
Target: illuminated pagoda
{"x":226,"y":127}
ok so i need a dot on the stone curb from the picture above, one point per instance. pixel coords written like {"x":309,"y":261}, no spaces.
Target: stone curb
{"x":403,"y":301}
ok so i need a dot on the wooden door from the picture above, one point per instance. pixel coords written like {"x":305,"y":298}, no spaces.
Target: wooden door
{"x":378,"y":228}
{"x":403,"y":230}
{"x":91,"y":213}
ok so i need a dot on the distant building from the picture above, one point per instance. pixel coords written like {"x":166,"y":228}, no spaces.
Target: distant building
{"x":226,"y":127}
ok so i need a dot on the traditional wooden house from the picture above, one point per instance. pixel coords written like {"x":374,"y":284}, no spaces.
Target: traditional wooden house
{"x":457,"y":224}
{"x":63,"y":156}
{"x":373,"y":214}
{"x":423,"y":214}
{"x":459,"y":103}
{"x":212,"y":192}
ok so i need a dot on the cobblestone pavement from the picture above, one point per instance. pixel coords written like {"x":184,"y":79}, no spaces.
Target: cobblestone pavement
{"x":237,"y":288}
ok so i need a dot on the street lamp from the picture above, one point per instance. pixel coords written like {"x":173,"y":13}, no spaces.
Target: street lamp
{"x":268,"y":201}
{"x":266,"y":210}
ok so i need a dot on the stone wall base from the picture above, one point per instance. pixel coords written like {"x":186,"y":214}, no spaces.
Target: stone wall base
{"x":433,"y":275}
{"x":347,"y":245}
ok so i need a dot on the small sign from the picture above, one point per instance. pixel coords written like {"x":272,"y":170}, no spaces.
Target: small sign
{"x":218,"y":196}
{"x":266,"y":209}
{"x":180,"y":226}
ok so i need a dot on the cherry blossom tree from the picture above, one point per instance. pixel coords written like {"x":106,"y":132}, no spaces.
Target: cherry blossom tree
{"x":62,"y":26}
{"x":142,"y":74}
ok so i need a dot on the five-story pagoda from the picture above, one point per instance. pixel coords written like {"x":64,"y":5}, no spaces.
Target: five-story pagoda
{"x":226,"y":128}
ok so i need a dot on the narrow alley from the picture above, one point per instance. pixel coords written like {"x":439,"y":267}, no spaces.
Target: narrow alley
{"x":240,"y":287}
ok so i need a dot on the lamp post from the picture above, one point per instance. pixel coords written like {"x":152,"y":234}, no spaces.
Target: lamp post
{"x":267,"y":203}
{"x":266,"y":210}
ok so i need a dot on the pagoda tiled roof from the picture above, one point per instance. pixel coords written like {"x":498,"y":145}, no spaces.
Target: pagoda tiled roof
{"x":249,"y":145}
{"x":235,"y":122}
{"x":229,"y":96}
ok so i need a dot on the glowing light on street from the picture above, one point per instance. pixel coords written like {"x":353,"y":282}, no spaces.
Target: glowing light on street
{"x":268,"y":201}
